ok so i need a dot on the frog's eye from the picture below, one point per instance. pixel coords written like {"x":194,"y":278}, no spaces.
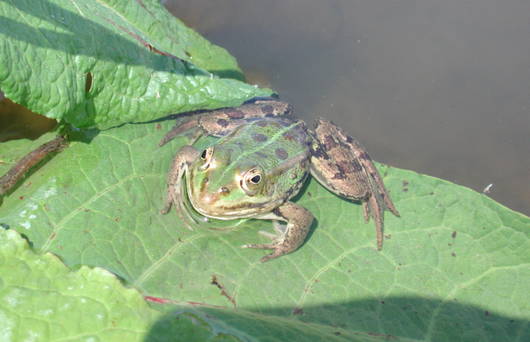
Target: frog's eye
{"x":251,"y":181}
{"x":206,"y":157}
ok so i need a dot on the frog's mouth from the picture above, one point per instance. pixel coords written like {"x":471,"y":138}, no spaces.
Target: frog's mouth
{"x":243,"y":210}
{"x":191,"y":217}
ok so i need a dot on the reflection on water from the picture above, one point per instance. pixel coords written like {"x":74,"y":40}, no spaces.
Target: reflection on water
{"x":440,"y":87}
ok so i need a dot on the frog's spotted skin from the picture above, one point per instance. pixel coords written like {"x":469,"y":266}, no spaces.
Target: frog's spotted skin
{"x":261,"y":161}
{"x":354,"y":176}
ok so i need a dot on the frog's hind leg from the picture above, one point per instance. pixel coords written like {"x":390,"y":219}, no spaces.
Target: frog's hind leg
{"x":288,"y":237}
{"x":343,"y":166}
{"x":222,"y":122}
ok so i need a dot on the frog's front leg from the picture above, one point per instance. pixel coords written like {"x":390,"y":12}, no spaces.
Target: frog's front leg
{"x":184,"y":157}
{"x":290,"y":237}
{"x":343,"y":166}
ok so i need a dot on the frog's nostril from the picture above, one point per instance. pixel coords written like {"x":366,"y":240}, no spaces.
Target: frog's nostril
{"x":224,"y":190}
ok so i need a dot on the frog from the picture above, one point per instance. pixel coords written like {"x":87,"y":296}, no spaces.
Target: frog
{"x":262,"y":158}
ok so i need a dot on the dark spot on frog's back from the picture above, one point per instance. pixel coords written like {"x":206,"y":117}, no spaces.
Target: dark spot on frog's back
{"x":222,"y":122}
{"x":261,"y":155}
{"x":259,"y":137}
{"x":281,"y":153}
{"x":235,"y":114}
{"x":286,"y":123}
{"x":267,"y":109}
{"x":288,"y":136}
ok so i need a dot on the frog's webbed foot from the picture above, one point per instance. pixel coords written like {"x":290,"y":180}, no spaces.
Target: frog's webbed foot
{"x":343,"y":166}
{"x":175,"y":195}
{"x":288,"y":237}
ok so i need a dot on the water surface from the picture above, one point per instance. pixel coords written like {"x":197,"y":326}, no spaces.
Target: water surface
{"x":440,"y":87}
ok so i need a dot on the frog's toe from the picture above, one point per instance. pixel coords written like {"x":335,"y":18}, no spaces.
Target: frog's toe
{"x":260,"y":245}
{"x":366,"y":212}
{"x":279,"y":228}
{"x":278,"y":251}
{"x":268,"y":235}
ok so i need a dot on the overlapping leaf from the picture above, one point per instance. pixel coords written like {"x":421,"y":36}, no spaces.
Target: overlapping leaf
{"x":41,"y":300}
{"x":103,"y":63}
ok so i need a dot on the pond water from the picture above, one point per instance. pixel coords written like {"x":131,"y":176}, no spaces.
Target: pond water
{"x":439,"y":87}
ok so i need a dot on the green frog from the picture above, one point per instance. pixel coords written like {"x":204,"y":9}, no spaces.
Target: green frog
{"x":261,"y":160}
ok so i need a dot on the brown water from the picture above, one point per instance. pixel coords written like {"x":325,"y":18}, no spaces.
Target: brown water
{"x":440,"y":87}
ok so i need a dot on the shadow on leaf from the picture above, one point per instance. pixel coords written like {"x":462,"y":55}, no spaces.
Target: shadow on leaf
{"x":394,"y":319}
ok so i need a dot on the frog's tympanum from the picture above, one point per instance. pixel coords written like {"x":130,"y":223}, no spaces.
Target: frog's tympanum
{"x":260,"y":162}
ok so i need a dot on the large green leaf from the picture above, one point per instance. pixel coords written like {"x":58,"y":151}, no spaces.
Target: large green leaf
{"x":42,"y":300}
{"x":105,"y":62}
{"x":454,"y":267}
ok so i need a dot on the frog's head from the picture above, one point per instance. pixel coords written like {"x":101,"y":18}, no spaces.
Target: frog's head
{"x":223,"y":186}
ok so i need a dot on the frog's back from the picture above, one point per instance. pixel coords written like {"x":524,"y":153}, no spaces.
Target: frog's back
{"x":279,"y":146}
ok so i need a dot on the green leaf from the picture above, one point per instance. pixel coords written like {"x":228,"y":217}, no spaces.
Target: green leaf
{"x":42,"y":300}
{"x":454,"y":267}
{"x":103,"y":63}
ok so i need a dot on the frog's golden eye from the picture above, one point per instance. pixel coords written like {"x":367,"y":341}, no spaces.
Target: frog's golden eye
{"x":206,"y":156}
{"x":251,"y":181}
